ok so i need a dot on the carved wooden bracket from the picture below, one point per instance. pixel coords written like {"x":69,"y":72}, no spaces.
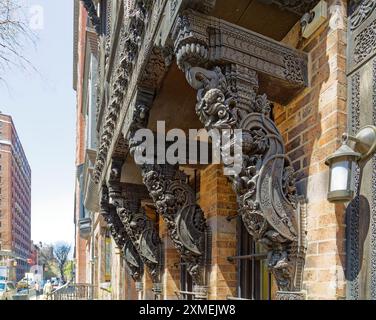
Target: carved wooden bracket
{"x":228,"y":99}
{"x":132,"y":258}
{"x":265,"y":187}
{"x":126,"y":198}
{"x":175,"y":200}
{"x":92,"y":12}
{"x":207,"y":41}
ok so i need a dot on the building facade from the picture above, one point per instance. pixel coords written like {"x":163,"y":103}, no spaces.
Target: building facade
{"x":293,"y":76}
{"x":15,"y":197}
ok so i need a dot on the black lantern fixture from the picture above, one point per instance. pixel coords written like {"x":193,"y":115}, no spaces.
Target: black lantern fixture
{"x":353,"y":152}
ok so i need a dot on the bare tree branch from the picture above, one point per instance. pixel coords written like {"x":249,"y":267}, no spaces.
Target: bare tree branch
{"x":14,"y":34}
{"x":61,"y":252}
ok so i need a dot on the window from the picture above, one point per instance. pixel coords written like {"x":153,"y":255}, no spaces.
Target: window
{"x":253,"y":278}
{"x":107,"y":254}
{"x":103,"y":15}
{"x":186,"y":283}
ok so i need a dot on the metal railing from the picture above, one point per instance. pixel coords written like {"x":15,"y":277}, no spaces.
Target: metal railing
{"x":73,"y":291}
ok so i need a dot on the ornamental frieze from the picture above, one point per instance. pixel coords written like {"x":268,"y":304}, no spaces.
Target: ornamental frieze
{"x":365,"y":43}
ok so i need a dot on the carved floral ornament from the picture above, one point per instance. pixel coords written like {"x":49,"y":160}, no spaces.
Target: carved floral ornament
{"x":265,"y":188}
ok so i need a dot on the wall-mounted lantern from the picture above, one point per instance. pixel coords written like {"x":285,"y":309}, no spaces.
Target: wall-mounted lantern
{"x":343,"y":163}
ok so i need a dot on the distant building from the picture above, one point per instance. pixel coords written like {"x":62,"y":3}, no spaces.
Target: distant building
{"x":15,"y":199}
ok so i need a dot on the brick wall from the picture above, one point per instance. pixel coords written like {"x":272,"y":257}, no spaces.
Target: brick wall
{"x":312,"y":125}
{"x":171,"y":274}
{"x":218,"y":201}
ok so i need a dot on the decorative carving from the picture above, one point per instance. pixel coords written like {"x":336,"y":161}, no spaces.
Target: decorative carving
{"x":362,"y":12}
{"x":186,"y":224}
{"x":131,"y":35}
{"x":299,"y":7}
{"x":126,"y":198}
{"x":353,"y":209}
{"x":373,"y":203}
{"x":365,"y":43}
{"x":176,"y":202}
{"x":92,"y":12}
{"x":265,"y":187}
{"x":200,"y":40}
{"x":131,"y":257}
{"x":289,"y":295}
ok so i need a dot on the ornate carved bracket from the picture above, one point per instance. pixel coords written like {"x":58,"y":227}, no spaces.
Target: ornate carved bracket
{"x":208,"y":41}
{"x":122,"y":240}
{"x":126,"y":198}
{"x":265,"y":187}
{"x":228,"y":99}
{"x":175,"y":200}
{"x":92,"y":12}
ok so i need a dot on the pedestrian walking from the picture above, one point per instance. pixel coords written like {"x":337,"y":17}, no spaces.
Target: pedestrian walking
{"x":47,"y":290}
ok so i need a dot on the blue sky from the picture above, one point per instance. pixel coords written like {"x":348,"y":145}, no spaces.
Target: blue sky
{"x":42,"y":105}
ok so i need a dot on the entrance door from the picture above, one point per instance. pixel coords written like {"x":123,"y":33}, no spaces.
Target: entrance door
{"x":361,"y":212}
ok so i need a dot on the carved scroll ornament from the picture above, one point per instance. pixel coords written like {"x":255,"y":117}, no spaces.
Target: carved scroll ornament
{"x":126,"y":198}
{"x":362,"y":12}
{"x":265,"y":187}
{"x":132,"y":259}
{"x":175,"y":200}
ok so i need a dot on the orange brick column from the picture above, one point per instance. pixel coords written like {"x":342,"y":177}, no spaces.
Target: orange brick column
{"x":218,"y":201}
{"x":171,"y":274}
{"x":312,"y":126}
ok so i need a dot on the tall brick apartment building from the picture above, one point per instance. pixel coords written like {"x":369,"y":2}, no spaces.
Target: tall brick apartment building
{"x":294,"y":76}
{"x":15,"y":200}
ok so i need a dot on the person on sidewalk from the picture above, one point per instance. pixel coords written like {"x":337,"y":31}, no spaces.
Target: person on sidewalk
{"x":47,"y":290}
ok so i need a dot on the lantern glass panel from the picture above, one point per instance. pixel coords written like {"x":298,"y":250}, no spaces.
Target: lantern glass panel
{"x":340,"y":176}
